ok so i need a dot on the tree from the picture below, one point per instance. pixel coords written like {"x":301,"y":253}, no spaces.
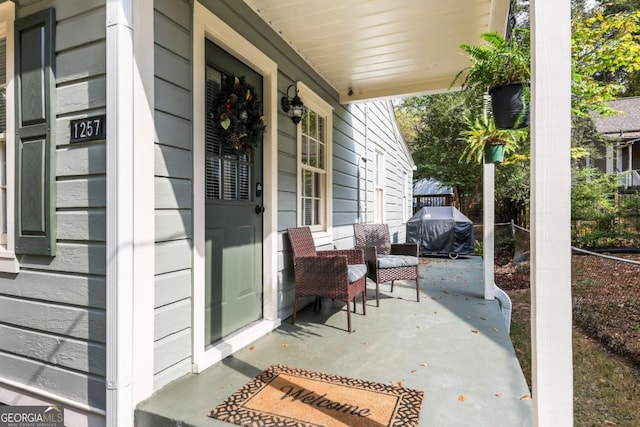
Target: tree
{"x":432,"y":126}
{"x":606,"y":51}
{"x":632,"y":79}
{"x":605,"y":48}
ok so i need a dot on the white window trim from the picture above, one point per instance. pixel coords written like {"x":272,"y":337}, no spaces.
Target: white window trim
{"x":8,"y":261}
{"x":314,"y":102}
{"x":379,"y":151}
{"x":206,"y":25}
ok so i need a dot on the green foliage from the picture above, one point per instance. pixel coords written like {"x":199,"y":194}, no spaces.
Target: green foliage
{"x":605,"y":51}
{"x":513,"y":190}
{"x":597,"y":214}
{"x":630,"y":204}
{"x":483,"y":131}
{"x":478,"y":249}
{"x":592,"y":196}
{"x":615,"y":237}
{"x":498,"y":62}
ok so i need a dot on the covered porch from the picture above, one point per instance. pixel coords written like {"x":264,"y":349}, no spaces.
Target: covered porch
{"x":453,"y":345}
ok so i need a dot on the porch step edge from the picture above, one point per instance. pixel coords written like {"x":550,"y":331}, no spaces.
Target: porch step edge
{"x":144,"y":418}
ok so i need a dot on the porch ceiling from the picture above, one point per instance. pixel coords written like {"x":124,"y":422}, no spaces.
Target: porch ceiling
{"x":383,"y":48}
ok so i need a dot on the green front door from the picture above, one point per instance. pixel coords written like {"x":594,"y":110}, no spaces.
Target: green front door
{"x":233,"y":212}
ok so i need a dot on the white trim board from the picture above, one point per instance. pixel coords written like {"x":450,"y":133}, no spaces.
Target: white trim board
{"x":8,"y":260}
{"x":206,"y":25}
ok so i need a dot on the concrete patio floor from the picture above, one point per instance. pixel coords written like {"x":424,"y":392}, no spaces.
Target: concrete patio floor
{"x":453,"y":345}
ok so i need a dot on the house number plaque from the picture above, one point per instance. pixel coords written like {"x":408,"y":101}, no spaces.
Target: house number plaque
{"x":88,"y":129}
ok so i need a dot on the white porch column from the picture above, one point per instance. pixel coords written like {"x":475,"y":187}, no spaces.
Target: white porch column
{"x":550,"y":214}
{"x":488,"y":229}
{"x":609,"y":159}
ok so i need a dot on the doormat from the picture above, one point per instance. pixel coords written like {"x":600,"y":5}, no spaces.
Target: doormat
{"x":284,"y":396}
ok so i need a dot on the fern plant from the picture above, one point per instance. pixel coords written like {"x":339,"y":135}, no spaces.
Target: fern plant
{"x":498,"y":62}
{"x":483,"y":131}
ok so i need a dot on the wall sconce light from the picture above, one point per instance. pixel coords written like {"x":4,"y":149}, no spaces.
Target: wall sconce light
{"x":294,"y":107}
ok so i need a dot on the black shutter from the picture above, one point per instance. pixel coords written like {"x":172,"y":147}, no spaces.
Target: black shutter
{"x":35,"y":134}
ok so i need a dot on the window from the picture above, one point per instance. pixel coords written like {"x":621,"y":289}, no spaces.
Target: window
{"x":8,"y":262}
{"x":378,"y":196}
{"x":406,"y":196}
{"x":313,"y":169}
{"x":314,"y":165}
{"x":227,"y":172}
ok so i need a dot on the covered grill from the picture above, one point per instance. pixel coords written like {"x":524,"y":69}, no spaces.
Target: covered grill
{"x":441,"y":230}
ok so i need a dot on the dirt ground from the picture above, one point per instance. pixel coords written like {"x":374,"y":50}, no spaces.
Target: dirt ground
{"x":606,"y":300}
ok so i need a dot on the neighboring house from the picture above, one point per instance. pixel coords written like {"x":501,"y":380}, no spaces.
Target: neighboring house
{"x":623,"y":131}
{"x":121,"y":231}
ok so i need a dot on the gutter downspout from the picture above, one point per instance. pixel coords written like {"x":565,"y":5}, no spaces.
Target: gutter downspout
{"x":119,"y":202}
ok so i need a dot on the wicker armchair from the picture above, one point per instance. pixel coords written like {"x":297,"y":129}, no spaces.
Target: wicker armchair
{"x":338,"y":274}
{"x":385,"y":261}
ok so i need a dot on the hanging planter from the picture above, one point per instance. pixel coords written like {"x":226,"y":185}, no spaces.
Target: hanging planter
{"x":501,"y":66}
{"x":493,"y":153}
{"x":509,"y":106}
{"x":485,"y":141}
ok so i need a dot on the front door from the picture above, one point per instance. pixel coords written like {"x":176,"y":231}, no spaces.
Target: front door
{"x":233,"y":211}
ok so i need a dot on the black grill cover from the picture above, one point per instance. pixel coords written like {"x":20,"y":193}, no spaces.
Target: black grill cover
{"x":441,"y":230}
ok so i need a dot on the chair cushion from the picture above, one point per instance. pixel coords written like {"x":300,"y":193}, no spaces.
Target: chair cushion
{"x":356,"y":271}
{"x":392,"y":261}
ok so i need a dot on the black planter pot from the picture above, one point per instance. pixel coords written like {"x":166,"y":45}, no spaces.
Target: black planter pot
{"x":509,"y":108}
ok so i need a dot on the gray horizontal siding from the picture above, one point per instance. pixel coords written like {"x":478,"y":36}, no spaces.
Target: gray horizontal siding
{"x":81,"y":159}
{"x":82,"y":28}
{"x":172,"y":162}
{"x":171,"y":348}
{"x":81,"y":63}
{"x":58,"y":288}
{"x":172,"y":68}
{"x":173,"y":256}
{"x":82,"y":95}
{"x":172,"y":99}
{"x":87,"y":258}
{"x":177,"y":370}
{"x":171,"y":35}
{"x":173,"y":193}
{"x":76,"y":386}
{"x":52,"y":313}
{"x":82,"y":323}
{"x":173,"y":131}
{"x":173,"y":225}
{"x":173,"y":190}
{"x":173,"y":286}
{"x":88,"y":225}
{"x":171,"y":318}
{"x":89,"y":192}
{"x":69,"y":353}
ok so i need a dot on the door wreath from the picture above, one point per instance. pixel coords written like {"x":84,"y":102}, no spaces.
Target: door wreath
{"x":238,"y":111}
